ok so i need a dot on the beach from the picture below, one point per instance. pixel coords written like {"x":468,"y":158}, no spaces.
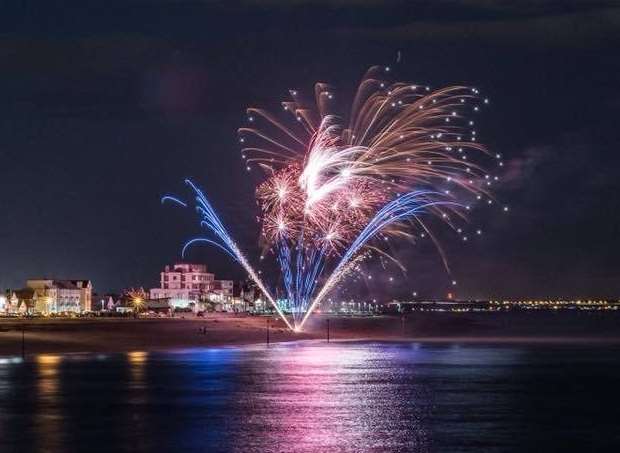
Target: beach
{"x":106,"y":335}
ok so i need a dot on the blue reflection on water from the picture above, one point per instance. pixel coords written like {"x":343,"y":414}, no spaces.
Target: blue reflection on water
{"x":314,"y":397}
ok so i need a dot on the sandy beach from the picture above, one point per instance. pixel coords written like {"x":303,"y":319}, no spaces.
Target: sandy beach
{"x":119,"y":334}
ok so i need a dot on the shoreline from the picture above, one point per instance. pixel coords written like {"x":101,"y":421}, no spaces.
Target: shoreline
{"x":121,"y":335}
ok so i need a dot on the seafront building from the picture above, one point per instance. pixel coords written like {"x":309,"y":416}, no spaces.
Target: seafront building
{"x":222,"y":291}
{"x":190,"y":285}
{"x":9,"y":303}
{"x":49,"y":296}
{"x":183,"y":282}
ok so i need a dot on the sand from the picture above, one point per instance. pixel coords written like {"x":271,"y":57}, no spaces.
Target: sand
{"x":108,"y":335}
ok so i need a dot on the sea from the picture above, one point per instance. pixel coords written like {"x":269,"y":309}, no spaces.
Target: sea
{"x":314,"y":396}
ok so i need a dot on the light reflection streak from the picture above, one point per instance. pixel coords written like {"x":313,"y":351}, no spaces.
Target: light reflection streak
{"x":336,"y":399}
{"x":137,"y":361}
{"x":48,"y":418}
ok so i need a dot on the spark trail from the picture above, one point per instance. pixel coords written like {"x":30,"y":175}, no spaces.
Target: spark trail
{"x":338,"y":186}
{"x":222,"y":239}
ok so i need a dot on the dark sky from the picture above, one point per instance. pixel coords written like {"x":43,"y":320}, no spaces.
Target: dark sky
{"x":105,"y":106}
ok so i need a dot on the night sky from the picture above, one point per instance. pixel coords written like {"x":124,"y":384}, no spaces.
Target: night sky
{"x":105,"y":108}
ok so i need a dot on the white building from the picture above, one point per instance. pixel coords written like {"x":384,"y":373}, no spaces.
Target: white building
{"x":221,"y":291}
{"x":60,"y":296}
{"x":183,"y":284}
{"x":189,"y":285}
{"x":13,"y":304}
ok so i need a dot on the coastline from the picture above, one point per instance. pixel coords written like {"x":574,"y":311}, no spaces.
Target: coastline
{"x":117,"y":335}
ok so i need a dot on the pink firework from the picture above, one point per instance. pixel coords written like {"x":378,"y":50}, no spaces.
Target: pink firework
{"x":327,"y":177}
{"x":337,"y":187}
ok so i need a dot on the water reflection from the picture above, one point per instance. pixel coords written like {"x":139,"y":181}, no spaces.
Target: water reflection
{"x":318,"y":398}
{"x":136,"y":416}
{"x":48,"y":422}
{"x":47,"y":366}
{"x":309,"y":397}
{"x":137,"y":361}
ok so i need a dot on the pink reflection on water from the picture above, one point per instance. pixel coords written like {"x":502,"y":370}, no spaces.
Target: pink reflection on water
{"x":323,"y":398}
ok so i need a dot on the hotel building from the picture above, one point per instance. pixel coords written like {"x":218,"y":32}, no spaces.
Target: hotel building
{"x":222,"y":291}
{"x":183,"y":282}
{"x":60,"y":296}
{"x":186,"y":284}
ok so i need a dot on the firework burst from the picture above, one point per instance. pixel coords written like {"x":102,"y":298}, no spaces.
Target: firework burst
{"x":336,"y":186}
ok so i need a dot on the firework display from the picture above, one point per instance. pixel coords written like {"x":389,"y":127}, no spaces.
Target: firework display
{"x":337,"y":187}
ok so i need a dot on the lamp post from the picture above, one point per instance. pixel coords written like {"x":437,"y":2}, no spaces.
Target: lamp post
{"x":328,"y":330}
{"x":23,"y":342}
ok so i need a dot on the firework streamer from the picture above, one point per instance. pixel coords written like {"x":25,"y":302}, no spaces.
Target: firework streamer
{"x":337,"y":187}
{"x":222,"y":239}
{"x":403,"y":208}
